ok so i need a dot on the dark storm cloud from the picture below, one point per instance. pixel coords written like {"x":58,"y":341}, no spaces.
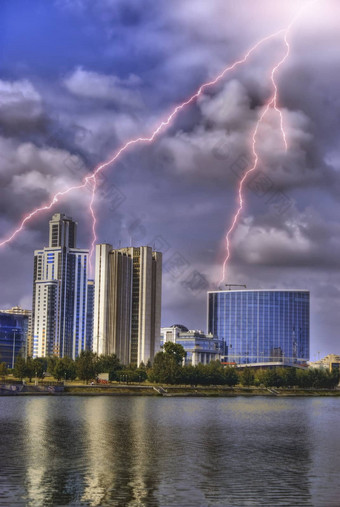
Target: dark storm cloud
{"x":21,"y":108}
{"x":308,"y":242}
{"x":110,"y":72}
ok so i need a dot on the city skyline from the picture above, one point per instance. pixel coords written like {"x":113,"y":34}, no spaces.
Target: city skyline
{"x":60,"y":116}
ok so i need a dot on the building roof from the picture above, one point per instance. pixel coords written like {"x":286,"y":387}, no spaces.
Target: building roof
{"x":181,"y":327}
{"x":217,"y":291}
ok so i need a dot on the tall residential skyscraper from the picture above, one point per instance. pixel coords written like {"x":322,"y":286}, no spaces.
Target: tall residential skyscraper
{"x":89,"y":316}
{"x":127,"y":309}
{"x":60,"y":293}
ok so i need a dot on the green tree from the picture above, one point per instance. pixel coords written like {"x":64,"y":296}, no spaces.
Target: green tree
{"x":64,"y":369}
{"x":269,"y":377}
{"x":30,"y":368}
{"x":141,"y":374}
{"x":190,"y":375}
{"x":20,"y":368}
{"x":324,"y":379}
{"x":165,"y":369}
{"x":211,"y":374}
{"x":288,"y":376}
{"x":87,"y":365}
{"x":132,"y":374}
{"x":247,"y":377}
{"x":175,"y":351}
{"x":334,"y":378}
{"x":3,"y":370}
{"x":230,"y":375}
{"x":51,"y":364}
{"x":69,"y":368}
{"x":109,"y":364}
{"x":40,"y":366}
{"x":58,"y":370}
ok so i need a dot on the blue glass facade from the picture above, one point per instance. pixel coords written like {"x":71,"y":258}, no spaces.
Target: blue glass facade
{"x":13,"y":334}
{"x":261,"y":325}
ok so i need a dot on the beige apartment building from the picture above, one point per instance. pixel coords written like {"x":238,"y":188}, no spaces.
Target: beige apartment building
{"x":127,"y":306}
{"x":330,"y":362}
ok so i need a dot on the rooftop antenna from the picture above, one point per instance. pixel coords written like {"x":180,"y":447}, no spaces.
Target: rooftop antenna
{"x":229,"y":285}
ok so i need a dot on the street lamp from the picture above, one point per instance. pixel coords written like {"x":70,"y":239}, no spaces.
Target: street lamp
{"x":13,"y":352}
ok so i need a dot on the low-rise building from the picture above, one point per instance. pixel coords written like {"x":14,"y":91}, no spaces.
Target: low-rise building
{"x":330,"y":362}
{"x":13,"y":334}
{"x":17,"y":310}
{"x":200,"y":348}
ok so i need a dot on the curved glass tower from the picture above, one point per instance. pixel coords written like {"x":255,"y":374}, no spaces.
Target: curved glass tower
{"x":261,"y":326}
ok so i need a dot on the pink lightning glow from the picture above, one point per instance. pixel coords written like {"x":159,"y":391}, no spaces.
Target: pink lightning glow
{"x":271,"y":103}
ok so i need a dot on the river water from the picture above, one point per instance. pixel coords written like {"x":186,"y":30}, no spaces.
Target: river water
{"x":139,"y":451}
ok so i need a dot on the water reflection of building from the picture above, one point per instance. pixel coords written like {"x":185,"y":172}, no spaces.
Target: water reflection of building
{"x":54,"y":448}
{"x":39,"y":461}
{"x":261,"y":326}
{"x":200,"y":348}
{"x":13,"y":337}
{"x":119,"y":438}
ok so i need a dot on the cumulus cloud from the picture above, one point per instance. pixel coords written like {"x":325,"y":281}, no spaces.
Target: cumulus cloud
{"x":19,"y":102}
{"x":30,"y":174}
{"x":112,"y":89}
{"x":219,"y":147}
{"x":305,"y":240}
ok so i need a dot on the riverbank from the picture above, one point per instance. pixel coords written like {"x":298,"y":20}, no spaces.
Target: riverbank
{"x":156,"y":390}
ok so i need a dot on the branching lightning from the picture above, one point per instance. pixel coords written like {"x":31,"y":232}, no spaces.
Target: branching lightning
{"x":273,"y":102}
{"x":90,"y":179}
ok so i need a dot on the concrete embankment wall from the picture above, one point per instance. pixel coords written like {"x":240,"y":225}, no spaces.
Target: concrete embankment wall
{"x":164,"y":391}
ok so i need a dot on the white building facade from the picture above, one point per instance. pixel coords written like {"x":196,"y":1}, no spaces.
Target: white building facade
{"x":60,"y":293}
{"x":199,"y":347}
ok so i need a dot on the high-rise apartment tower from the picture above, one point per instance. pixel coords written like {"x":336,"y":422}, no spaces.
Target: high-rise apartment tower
{"x":127,"y":309}
{"x":60,"y":293}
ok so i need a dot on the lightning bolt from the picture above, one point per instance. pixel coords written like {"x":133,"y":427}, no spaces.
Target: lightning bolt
{"x":273,"y":102}
{"x":90,"y":180}
{"x":94,"y":220}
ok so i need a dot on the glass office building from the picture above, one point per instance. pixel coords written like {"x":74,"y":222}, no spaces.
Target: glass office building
{"x":261,"y":326}
{"x":13,"y":336}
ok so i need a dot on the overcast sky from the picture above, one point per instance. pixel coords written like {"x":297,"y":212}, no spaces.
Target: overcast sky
{"x":78,"y":78}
